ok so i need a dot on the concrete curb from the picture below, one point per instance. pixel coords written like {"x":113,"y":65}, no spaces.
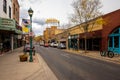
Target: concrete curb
{"x":96,"y":55}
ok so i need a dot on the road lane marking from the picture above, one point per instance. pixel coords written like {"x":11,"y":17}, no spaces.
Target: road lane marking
{"x":65,"y":55}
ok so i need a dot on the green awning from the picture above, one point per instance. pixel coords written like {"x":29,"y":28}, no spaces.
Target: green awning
{"x":7,"y":24}
{"x":7,"y":29}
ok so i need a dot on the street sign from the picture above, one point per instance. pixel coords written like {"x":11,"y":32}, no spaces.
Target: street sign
{"x":30,"y":33}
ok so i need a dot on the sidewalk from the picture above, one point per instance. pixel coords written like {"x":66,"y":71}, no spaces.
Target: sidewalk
{"x":12,"y":69}
{"x":96,"y":55}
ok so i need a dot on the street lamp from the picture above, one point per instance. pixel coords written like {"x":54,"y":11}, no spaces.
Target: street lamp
{"x":30,"y":12}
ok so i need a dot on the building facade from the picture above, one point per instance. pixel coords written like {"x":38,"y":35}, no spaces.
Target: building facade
{"x":103,"y":34}
{"x":15,"y":10}
{"x":18,"y":33}
{"x":10,"y":31}
{"x":6,"y":8}
{"x":111,"y":32}
{"x":49,"y":34}
{"x":99,"y":37}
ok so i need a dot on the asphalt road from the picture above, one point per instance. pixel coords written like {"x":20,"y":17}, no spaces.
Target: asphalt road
{"x":75,"y":67}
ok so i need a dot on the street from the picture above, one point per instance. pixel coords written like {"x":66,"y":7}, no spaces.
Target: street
{"x":75,"y":67}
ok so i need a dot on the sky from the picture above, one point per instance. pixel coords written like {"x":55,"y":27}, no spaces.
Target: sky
{"x":58,"y":9}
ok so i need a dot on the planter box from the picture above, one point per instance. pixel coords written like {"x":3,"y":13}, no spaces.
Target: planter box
{"x":23,"y":57}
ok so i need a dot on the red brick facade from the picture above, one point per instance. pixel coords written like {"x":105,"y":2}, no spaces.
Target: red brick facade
{"x":112,"y":22}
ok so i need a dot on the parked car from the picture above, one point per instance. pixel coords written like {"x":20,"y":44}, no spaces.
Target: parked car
{"x":46,"y":45}
{"x":41,"y":43}
{"x":27,"y":48}
{"x":61,"y":46}
{"x":55,"y":45}
{"x":51,"y":45}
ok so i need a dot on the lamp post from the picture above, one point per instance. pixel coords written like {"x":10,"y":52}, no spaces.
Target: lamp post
{"x":30,"y":12}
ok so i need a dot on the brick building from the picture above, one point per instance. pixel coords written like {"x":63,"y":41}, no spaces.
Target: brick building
{"x":15,"y":12}
{"x":111,"y":32}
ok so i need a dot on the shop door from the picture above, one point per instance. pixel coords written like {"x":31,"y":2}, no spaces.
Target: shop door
{"x":114,"y":41}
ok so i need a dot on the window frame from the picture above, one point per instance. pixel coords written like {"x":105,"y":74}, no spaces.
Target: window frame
{"x":9,"y":12}
{"x":5,"y":6}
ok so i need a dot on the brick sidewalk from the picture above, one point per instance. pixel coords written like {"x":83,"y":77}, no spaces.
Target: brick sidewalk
{"x":12,"y":69}
{"x":96,"y":55}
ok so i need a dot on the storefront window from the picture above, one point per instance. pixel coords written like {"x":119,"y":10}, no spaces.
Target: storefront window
{"x":110,"y":42}
{"x":116,"y":41}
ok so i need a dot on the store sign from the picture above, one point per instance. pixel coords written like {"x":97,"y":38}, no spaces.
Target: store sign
{"x":4,"y":22}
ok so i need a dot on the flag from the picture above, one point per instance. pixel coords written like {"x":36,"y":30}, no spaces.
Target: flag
{"x":25,"y":25}
{"x":26,"y":22}
{"x":25,"y":29}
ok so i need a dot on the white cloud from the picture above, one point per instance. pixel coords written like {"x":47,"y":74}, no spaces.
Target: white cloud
{"x":38,"y":29}
{"x":39,"y":21}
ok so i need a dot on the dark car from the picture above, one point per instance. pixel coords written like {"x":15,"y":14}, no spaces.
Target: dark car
{"x":27,"y":48}
{"x":61,"y":46}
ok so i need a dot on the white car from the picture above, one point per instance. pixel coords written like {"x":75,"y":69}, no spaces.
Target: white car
{"x":51,"y":45}
{"x":55,"y":45}
{"x":61,"y":46}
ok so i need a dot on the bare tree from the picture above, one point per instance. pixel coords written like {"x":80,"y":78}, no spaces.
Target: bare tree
{"x":66,"y":27}
{"x":84,"y":11}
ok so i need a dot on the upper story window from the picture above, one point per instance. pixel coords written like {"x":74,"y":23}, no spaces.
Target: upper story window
{"x":14,"y":9}
{"x":9,"y":11}
{"x":5,"y":6}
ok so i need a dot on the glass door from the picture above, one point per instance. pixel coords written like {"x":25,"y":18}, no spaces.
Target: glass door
{"x":114,"y":41}
{"x":114,"y":44}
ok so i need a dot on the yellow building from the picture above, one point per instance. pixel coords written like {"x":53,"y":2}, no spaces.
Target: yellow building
{"x":46,"y":34}
{"x":49,"y":33}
